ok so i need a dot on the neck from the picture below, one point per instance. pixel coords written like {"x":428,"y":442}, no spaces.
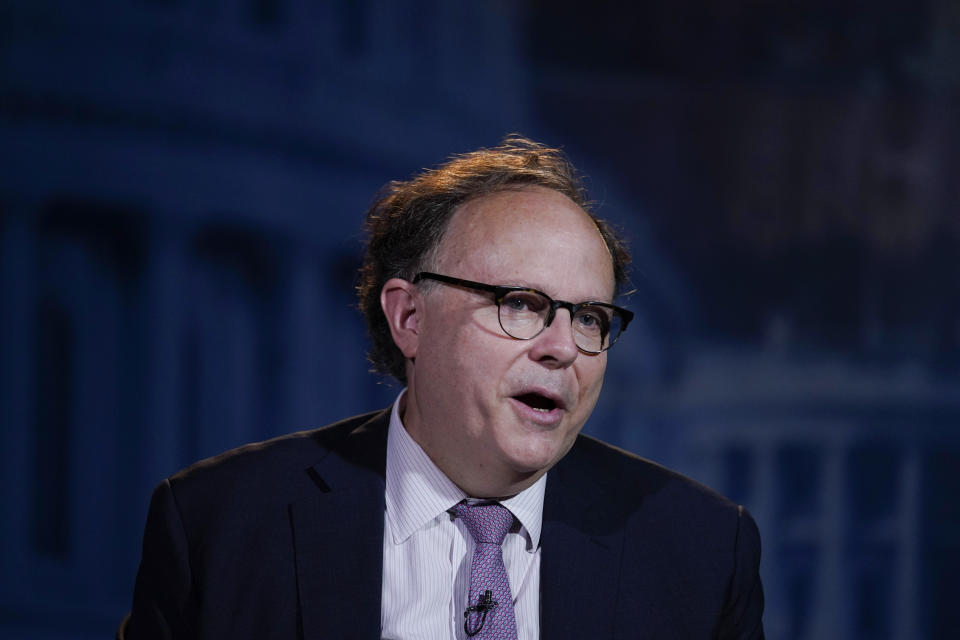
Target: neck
{"x":474,"y":478}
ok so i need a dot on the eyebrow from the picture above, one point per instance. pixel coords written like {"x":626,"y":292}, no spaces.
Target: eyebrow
{"x":539,"y":287}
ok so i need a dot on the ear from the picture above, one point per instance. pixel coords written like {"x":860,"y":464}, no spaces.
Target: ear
{"x":400,"y":301}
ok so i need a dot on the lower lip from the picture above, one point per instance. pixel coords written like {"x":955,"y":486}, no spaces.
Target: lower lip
{"x":543,"y":418}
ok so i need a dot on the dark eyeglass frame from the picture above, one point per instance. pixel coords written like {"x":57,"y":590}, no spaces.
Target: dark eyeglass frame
{"x":501,"y":291}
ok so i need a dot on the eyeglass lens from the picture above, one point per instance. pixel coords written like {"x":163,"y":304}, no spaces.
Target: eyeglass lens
{"x":524,"y":314}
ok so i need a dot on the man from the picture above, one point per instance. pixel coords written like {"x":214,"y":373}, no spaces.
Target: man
{"x":473,"y":507}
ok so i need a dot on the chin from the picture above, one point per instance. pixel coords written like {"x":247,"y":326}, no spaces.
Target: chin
{"x":537,"y":458}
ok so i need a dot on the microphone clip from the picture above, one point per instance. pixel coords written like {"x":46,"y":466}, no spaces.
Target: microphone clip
{"x":485,"y":604}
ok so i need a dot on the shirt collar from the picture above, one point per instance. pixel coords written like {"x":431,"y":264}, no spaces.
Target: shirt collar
{"x":417,"y":491}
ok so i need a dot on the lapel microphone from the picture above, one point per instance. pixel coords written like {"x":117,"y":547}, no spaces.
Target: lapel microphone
{"x":484,"y":605}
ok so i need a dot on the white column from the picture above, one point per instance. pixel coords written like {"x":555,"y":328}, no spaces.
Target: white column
{"x":94,"y":303}
{"x":17,"y":373}
{"x":229,"y":398}
{"x":165,"y":281}
{"x":764,"y":492}
{"x":832,"y":586}
{"x":309,"y":330}
{"x":905,"y":621}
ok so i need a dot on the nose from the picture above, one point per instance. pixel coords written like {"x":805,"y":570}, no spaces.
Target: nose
{"x":554,"y":347}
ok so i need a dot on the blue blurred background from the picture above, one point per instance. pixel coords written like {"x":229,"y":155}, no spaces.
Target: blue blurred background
{"x":182,"y":184}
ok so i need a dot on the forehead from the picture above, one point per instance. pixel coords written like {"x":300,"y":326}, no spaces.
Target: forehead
{"x":533,"y":237}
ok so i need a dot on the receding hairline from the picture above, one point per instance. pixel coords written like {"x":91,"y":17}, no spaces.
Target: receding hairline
{"x":430,"y":259}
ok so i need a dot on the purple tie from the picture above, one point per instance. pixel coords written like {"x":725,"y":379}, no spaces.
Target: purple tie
{"x":489,"y":612}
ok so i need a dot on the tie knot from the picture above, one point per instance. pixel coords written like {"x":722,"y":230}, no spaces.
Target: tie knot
{"x":487,"y":523}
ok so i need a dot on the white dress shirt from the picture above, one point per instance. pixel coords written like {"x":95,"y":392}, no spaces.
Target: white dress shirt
{"x":427,"y":552}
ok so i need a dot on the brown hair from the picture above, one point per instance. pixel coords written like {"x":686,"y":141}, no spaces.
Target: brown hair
{"x":407,"y":220}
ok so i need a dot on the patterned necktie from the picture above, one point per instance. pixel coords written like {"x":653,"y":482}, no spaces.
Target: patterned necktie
{"x":489,"y":612}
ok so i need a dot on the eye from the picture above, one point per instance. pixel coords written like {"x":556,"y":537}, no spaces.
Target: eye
{"x":592,"y":320}
{"x":523,"y":301}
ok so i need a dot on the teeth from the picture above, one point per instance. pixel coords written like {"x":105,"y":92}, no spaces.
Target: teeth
{"x":537,"y":402}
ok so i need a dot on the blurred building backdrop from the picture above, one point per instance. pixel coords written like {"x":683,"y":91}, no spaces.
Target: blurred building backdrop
{"x":181,"y":190}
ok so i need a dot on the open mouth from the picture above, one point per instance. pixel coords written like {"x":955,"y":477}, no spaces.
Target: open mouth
{"x":537,"y":402}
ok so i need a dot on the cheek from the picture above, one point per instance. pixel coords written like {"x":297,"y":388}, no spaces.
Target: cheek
{"x":479,"y":343}
{"x":591,"y":379}
{"x":466,"y":359}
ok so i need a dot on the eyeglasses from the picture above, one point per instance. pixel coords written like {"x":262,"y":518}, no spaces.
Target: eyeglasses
{"x":525,"y":312}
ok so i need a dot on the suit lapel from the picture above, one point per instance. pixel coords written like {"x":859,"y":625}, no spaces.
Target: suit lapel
{"x":581,"y":549}
{"x":338,"y":538}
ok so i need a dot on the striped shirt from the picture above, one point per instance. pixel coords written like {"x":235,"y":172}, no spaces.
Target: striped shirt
{"x":427,"y":552}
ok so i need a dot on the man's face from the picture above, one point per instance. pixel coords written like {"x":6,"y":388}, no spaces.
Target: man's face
{"x":494,"y":412}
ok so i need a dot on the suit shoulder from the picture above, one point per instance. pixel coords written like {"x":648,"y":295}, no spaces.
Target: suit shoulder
{"x":655,"y":505}
{"x":255,"y":467}
{"x":620,"y":472}
{"x":686,"y":553}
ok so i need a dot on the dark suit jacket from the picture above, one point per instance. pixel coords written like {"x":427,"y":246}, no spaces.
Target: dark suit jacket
{"x":284,"y":539}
